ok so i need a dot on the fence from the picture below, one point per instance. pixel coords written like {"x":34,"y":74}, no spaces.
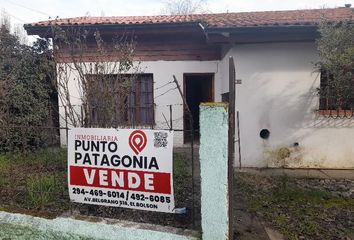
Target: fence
{"x":33,"y":168}
{"x":33,"y":179}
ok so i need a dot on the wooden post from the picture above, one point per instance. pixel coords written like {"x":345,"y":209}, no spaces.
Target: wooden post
{"x":231,"y":141}
{"x":239,"y":139}
{"x":171,"y":120}
{"x":66,"y":124}
{"x":191,"y":123}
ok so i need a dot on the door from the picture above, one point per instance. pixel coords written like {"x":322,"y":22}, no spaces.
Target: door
{"x":198,"y":88}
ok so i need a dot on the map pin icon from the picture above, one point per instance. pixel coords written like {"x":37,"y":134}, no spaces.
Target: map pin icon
{"x":137,"y":141}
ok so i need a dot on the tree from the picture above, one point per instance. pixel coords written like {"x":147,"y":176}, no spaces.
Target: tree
{"x":96,"y":76}
{"x":336,"y":50}
{"x":26,"y":74}
{"x":185,"y":7}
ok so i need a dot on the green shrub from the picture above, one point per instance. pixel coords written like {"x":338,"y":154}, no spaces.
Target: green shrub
{"x":27,"y":92}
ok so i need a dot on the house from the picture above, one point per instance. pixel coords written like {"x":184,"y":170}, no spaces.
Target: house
{"x":276,"y":96}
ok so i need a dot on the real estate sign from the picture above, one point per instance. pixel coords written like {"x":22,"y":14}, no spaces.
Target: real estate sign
{"x":121,"y":168}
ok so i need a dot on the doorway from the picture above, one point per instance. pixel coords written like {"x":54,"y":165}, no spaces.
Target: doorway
{"x":198,"y":88}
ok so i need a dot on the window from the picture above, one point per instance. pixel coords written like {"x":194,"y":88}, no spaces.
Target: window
{"x":141,"y":102}
{"x":335,"y":95}
{"x":120,"y":99}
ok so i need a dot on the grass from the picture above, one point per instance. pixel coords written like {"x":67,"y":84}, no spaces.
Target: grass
{"x":296,"y":211}
{"x":34,"y":181}
{"x":180,"y":172}
{"x":37,"y":182}
{"x":54,"y":157}
{"x":181,"y":180}
{"x":41,"y":190}
{"x":4,"y":164}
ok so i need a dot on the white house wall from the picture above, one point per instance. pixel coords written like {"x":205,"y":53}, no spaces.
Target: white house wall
{"x":163,"y":72}
{"x":278,"y":93}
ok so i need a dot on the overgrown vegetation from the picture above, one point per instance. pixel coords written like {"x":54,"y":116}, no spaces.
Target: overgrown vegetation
{"x":26,"y":91}
{"x":41,"y":190}
{"x":36,"y":183}
{"x":336,"y":50}
{"x":299,"y":213}
{"x":180,"y":173}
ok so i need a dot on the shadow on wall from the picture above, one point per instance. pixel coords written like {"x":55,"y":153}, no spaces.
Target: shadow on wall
{"x":285,"y":102}
{"x":331,"y":122}
{"x":291,"y":119}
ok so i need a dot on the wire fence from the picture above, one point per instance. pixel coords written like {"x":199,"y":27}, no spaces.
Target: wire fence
{"x":33,"y":179}
{"x":33,"y":160}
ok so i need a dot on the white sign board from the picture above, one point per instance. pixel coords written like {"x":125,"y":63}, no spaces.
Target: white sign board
{"x":121,"y":168}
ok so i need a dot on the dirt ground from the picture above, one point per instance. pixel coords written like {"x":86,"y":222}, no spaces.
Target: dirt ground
{"x":247,"y":225}
{"x":299,"y":208}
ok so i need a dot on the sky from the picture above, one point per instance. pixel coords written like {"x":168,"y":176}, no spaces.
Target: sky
{"x":27,"y":11}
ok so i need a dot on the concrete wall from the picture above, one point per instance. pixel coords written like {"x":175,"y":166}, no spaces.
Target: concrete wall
{"x":28,"y":227}
{"x":214,"y":171}
{"x":278,"y":92}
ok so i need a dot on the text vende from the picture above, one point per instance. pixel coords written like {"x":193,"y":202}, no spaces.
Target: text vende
{"x":156,"y":182}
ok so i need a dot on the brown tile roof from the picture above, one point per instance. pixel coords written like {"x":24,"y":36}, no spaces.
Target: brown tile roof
{"x":218,"y":20}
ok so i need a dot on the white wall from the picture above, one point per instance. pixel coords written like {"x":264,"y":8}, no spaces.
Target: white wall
{"x":278,"y":92}
{"x":163,"y":72}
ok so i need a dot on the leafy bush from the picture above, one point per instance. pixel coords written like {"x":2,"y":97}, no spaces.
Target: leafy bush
{"x":336,"y":51}
{"x":26,"y":91}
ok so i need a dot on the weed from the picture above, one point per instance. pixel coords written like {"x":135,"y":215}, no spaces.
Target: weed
{"x":4,"y":163}
{"x":179,"y":166}
{"x":286,"y":194}
{"x":180,"y":172}
{"x":281,"y":219}
{"x":284,"y":179}
{"x":295,"y":211}
{"x":350,"y":233}
{"x":41,"y":190}
{"x":44,"y":156}
{"x":4,"y":166}
{"x":340,"y":203}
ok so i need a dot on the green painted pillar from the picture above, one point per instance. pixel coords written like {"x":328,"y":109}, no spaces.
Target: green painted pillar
{"x":214,"y":170}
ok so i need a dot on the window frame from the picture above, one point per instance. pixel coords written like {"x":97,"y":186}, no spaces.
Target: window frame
{"x":327,"y":108}
{"x":137,"y":95}
{"x":133,"y":113}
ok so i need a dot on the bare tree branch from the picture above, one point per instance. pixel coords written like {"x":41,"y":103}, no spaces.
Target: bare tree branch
{"x":185,"y":7}
{"x":95,"y":76}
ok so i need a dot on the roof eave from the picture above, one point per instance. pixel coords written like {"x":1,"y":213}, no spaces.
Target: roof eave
{"x":267,"y":28}
{"x":263,"y":34}
{"x":46,"y":31}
